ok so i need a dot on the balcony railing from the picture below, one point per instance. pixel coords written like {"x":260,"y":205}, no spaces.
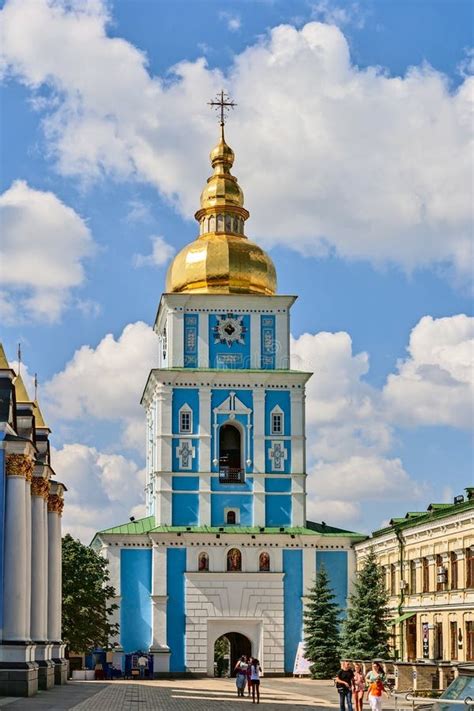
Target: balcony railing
{"x":230,"y":475}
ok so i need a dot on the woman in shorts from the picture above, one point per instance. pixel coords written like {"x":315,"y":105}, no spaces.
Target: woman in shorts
{"x":255,"y":671}
{"x":359,"y":686}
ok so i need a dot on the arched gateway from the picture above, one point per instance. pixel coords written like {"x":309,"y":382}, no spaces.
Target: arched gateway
{"x":234,"y":645}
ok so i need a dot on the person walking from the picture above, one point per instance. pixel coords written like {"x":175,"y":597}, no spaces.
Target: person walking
{"x":241,"y":675}
{"x":249,"y":672}
{"x":255,"y":671}
{"x":375,"y":679}
{"x":359,"y":686}
{"x":344,"y":685}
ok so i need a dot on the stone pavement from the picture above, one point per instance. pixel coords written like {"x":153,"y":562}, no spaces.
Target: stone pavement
{"x":283,"y":694}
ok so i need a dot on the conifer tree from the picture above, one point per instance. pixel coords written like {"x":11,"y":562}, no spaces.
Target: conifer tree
{"x":365,"y":630}
{"x":321,"y":626}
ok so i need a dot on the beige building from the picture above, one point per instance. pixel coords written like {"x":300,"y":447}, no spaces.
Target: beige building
{"x":428,"y":559}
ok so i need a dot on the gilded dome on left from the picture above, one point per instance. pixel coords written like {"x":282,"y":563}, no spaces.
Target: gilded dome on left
{"x":222,"y":260}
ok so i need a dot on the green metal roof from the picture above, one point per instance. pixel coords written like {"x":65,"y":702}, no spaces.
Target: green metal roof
{"x":402,"y":618}
{"x":147,"y":525}
{"x":434,"y":513}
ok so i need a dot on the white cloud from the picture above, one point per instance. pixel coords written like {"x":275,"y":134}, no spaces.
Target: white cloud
{"x":161,"y":253}
{"x":389,"y":185}
{"x":233,"y":21}
{"x":43,"y":246}
{"x":106,"y":382}
{"x":327,"y":11}
{"x":435,"y":384}
{"x":103,"y":489}
{"x":138,"y":211}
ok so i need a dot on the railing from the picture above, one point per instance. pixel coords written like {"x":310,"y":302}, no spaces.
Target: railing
{"x":230,"y":475}
{"x":411,"y":701}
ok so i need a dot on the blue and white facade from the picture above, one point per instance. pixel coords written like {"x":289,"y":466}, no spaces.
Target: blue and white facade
{"x":225,"y":546}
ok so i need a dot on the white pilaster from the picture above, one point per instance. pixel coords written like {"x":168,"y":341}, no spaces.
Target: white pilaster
{"x":204,"y":500}
{"x":203,"y":341}
{"x":282,"y":337}
{"x":259,"y":501}
{"x":297,"y":431}
{"x":205,"y":430}
{"x":259,"y":430}
{"x":159,"y":599}
{"x":28,"y":557}
{"x":176,"y":339}
{"x":55,"y":505}
{"x":14,"y":601}
{"x":39,"y":560}
{"x":309,"y":569}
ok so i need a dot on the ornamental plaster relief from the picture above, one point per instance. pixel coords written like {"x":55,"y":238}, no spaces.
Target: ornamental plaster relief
{"x":19,"y":465}
{"x":55,"y":504}
{"x":40,"y":487}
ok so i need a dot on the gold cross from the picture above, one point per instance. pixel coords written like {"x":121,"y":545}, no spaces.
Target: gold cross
{"x":222,"y":103}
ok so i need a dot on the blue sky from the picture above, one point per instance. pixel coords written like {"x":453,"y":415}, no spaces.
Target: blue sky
{"x":351,"y":146}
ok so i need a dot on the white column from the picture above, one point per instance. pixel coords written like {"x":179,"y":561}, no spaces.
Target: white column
{"x":39,"y":559}
{"x":18,"y":469}
{"x":28,"y":557}
{"x":55,"y":506}
{"x":255,"y":342}
{"x":159,"y":599}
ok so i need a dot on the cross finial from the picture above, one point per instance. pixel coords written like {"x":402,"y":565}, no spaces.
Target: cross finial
{"x":222,"y":103}
{"x":19,"y":358}
{"x":36,"y":386}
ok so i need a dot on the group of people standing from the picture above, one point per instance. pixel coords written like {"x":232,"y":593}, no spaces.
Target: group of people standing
{"x":351,"y":682}
{"x":248,"y":672}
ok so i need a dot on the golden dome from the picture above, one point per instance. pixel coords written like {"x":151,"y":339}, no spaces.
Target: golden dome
{"x":222,"y":260}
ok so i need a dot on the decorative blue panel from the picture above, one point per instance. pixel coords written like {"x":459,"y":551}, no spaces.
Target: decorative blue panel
{"x":268,"y":341}
{"x":191,"y":332}
{"x":219,"y":502}
{"x":278,"y":456}
{"x":175,"y":611}
{"x":335,"y":563}
{"x":277,"y":510}
{"x":185,"y":454}
{"x":185,"y":483}
{"x":135,"y":607}
{"x":185,"y":396}
{"x":184,"y":509}
{"x":293,"y":606}
{"x":229,"y":340}
{"x":247,"y":486}
{"x":276,"y":484}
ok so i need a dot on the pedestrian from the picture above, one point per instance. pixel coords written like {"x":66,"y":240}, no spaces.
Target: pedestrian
{"x":376,"y":686}
{"x":249,"y":672}
{"x":241,"y":675}
{"x":255,"y":671}
{"x":344,"y":685}
{"x":359,"y":686}
{"x":142,"y":665}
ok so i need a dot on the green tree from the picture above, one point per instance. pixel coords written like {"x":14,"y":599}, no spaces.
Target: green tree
{"x":365,"y":631}
{"x":321,"y":627}
{"x":87,"y":596}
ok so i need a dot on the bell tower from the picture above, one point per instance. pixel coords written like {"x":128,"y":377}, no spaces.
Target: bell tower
{"x":225,"y":413}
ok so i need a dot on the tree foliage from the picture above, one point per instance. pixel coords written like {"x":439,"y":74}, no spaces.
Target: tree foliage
{"x":321,"y":627}
{"x":365,"y":631}
{"x":87,"y":606}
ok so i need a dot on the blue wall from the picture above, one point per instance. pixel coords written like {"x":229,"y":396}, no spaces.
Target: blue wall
{"x":185,"y":509}
{"x":277,"y":510}
{"x":335,"y":563}
{"x":293,"y":605}
{"x":246,"y":487}
{"x":135,"y":608}
{"x":237,"y":355}
{"x":185,"y":483}
{"x":175,"y":613}
{"x":219,"y":502}
{"x":276,"y":484}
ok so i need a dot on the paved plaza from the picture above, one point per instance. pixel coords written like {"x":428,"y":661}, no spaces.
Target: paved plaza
{"x":180,"y":695}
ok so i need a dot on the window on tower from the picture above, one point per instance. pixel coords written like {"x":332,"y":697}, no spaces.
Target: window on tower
{"x":185,"y":421}
{"x":231,"y":517}
{"x":277,"y":422}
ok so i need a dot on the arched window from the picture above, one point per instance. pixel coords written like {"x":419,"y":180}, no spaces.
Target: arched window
{"x":231,"y":517}
{"x":228,"y":223}
{"x":264,"y":562}
{"x":220,"y":223}
{"x":203,"y":563}
{"x":236,"y":225}
{"x":234,"y":560}
{"x":230,"y":454}
{"x":212,"y":223}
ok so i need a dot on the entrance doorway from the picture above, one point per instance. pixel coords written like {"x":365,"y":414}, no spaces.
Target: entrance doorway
{"x":227,"y":650}
{"x":411,"y":638}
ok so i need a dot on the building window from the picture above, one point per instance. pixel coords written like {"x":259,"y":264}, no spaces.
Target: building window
{"x":453,"y":559}
{"x":231,"y":518}
{"x":264,"y":562}
{"x":438,"y":631}
{"x":234,"y":560}
{"x":277,"y":424}
{"x":185,"y":420}
{"x":453,"y":639}
{"x":440,"y":573}
{"x":393,"y":573}
{"x":412,"y":577}
{"x":203,"y":563}
{"x":425,"y":568}
{"x":470,"y":641}
{"x":469,"y":568}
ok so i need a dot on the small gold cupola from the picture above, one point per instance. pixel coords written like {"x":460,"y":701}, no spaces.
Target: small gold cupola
{"x":222,"y":260}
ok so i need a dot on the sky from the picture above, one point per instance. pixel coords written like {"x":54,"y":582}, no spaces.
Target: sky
{"x":352,"y":137}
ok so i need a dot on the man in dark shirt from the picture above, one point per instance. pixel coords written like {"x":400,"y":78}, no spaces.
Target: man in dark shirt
{"x":344,"y":685}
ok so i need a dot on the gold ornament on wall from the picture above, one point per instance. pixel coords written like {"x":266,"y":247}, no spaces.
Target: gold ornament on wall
{"x":55,"y":504}
{"x":40,"y":487}
{"x":19,"y":465}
